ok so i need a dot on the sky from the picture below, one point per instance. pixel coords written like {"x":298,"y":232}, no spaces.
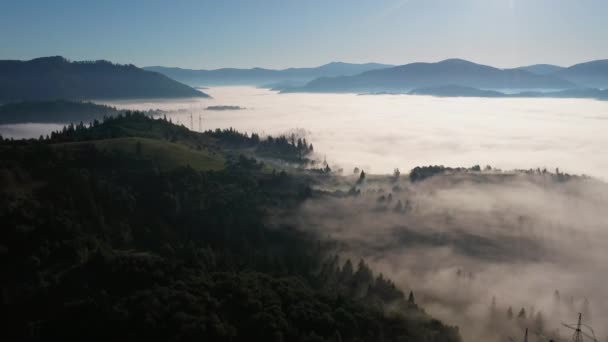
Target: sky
{"x":290,"y":33}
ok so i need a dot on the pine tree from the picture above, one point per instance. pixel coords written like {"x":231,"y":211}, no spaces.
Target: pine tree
{"x":347,"y":270}
{"x":521,"y":314}
{"x":398,"y":207}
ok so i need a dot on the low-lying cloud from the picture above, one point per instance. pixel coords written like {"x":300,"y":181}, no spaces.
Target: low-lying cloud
{"x":464,"y":240}
{"x":381,"y":132}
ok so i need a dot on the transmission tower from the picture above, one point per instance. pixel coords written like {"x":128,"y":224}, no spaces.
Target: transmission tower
{"x":191,"y":122}
{"x":581,"y":335}
{"x":200,"y":123}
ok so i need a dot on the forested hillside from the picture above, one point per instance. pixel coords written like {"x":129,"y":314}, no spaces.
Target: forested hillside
{"x":57,"y":111}
{"x":107,"y":235}
{"x":56,"y":78}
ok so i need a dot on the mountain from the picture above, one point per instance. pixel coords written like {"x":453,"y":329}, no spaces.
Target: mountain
{"x":51,"y":78}
{"x":460,"y":91}
{"x":456,"y":91}
{"x":260,"y":76}
{"x":578,"y":93}
{"x":55,"y":111}
{"x":541,"y":69}
{"x":592,"y":74}
{"x":422,"y":75}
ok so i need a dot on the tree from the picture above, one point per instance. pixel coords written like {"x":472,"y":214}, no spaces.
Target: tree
{"x":398,"y":207}
{"x":361,"y":177}
{"x":521,"y":314}
{"x":347,"y":270}
{"x":509,"y":313}
{"x":410,"y":298}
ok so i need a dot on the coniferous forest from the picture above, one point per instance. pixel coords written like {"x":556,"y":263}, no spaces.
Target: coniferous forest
{"x":106,"y":237}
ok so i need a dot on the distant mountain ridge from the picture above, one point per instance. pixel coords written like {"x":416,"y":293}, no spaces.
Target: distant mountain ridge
{"x":261,"y":76}
{"x":592,"y":74}
{"x":422,"y":75}
{"x":542,"y":69}
{"x":54,"y":78}
{"x":460,"y":91}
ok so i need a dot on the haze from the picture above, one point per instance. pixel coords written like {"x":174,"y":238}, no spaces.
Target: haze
{"x":381,"y":132}
{"x":281,"y":34}
{"x":464,"y":241}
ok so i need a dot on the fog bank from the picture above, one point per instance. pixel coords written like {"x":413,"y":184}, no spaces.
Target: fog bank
{"x":381,"y":132}
{"x":463,"y":241}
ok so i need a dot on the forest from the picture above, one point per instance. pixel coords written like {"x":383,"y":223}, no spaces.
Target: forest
{"x":106,"y":237}
{"x":57,"y":111}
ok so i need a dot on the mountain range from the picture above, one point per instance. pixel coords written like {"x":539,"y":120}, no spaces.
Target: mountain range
{"x":592,"y":74}
{"x":459,"y":72}
{"x":542,"y":69}
{"x":52,"y":78}
{"x":261,"y":76}
{"x":375,"y":78}
{"x":461,"y":91}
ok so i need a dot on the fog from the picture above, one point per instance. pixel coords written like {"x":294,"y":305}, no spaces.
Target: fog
{"x":28,"y":130}
{"x":381,"y":132}
{"x":467,"y":238}
{"x":461,"y":239}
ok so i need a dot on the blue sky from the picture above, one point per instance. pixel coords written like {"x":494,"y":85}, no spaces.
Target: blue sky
{"x":283,"y":33}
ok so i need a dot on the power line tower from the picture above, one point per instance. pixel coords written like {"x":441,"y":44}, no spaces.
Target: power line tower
{"x":582,"y":332}
{"x":200,"y":123}
{"x":191,"y":122}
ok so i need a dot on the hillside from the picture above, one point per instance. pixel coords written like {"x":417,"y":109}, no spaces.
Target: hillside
{"x":261,"y":76}
{"x":460,"y":91}
{"x":456,"y":91}
{"x":592,"y":74}
{"x":57,"y":111}
{"x":541,"y":69}
{"x":423,"y":75}
{"x":55,"y":78}
{"x":109,"y":235}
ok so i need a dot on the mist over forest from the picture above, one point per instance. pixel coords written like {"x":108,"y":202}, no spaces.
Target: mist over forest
{"x":493,"y":252}
{"x":304,"y":171}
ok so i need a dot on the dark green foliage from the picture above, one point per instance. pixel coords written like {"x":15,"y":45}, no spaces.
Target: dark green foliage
{"x":420,"y":173}
{"x":99,"y":245}
{"x":55,"y":78}
{"x":272,"y":147}
{"x":53,"y":112}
